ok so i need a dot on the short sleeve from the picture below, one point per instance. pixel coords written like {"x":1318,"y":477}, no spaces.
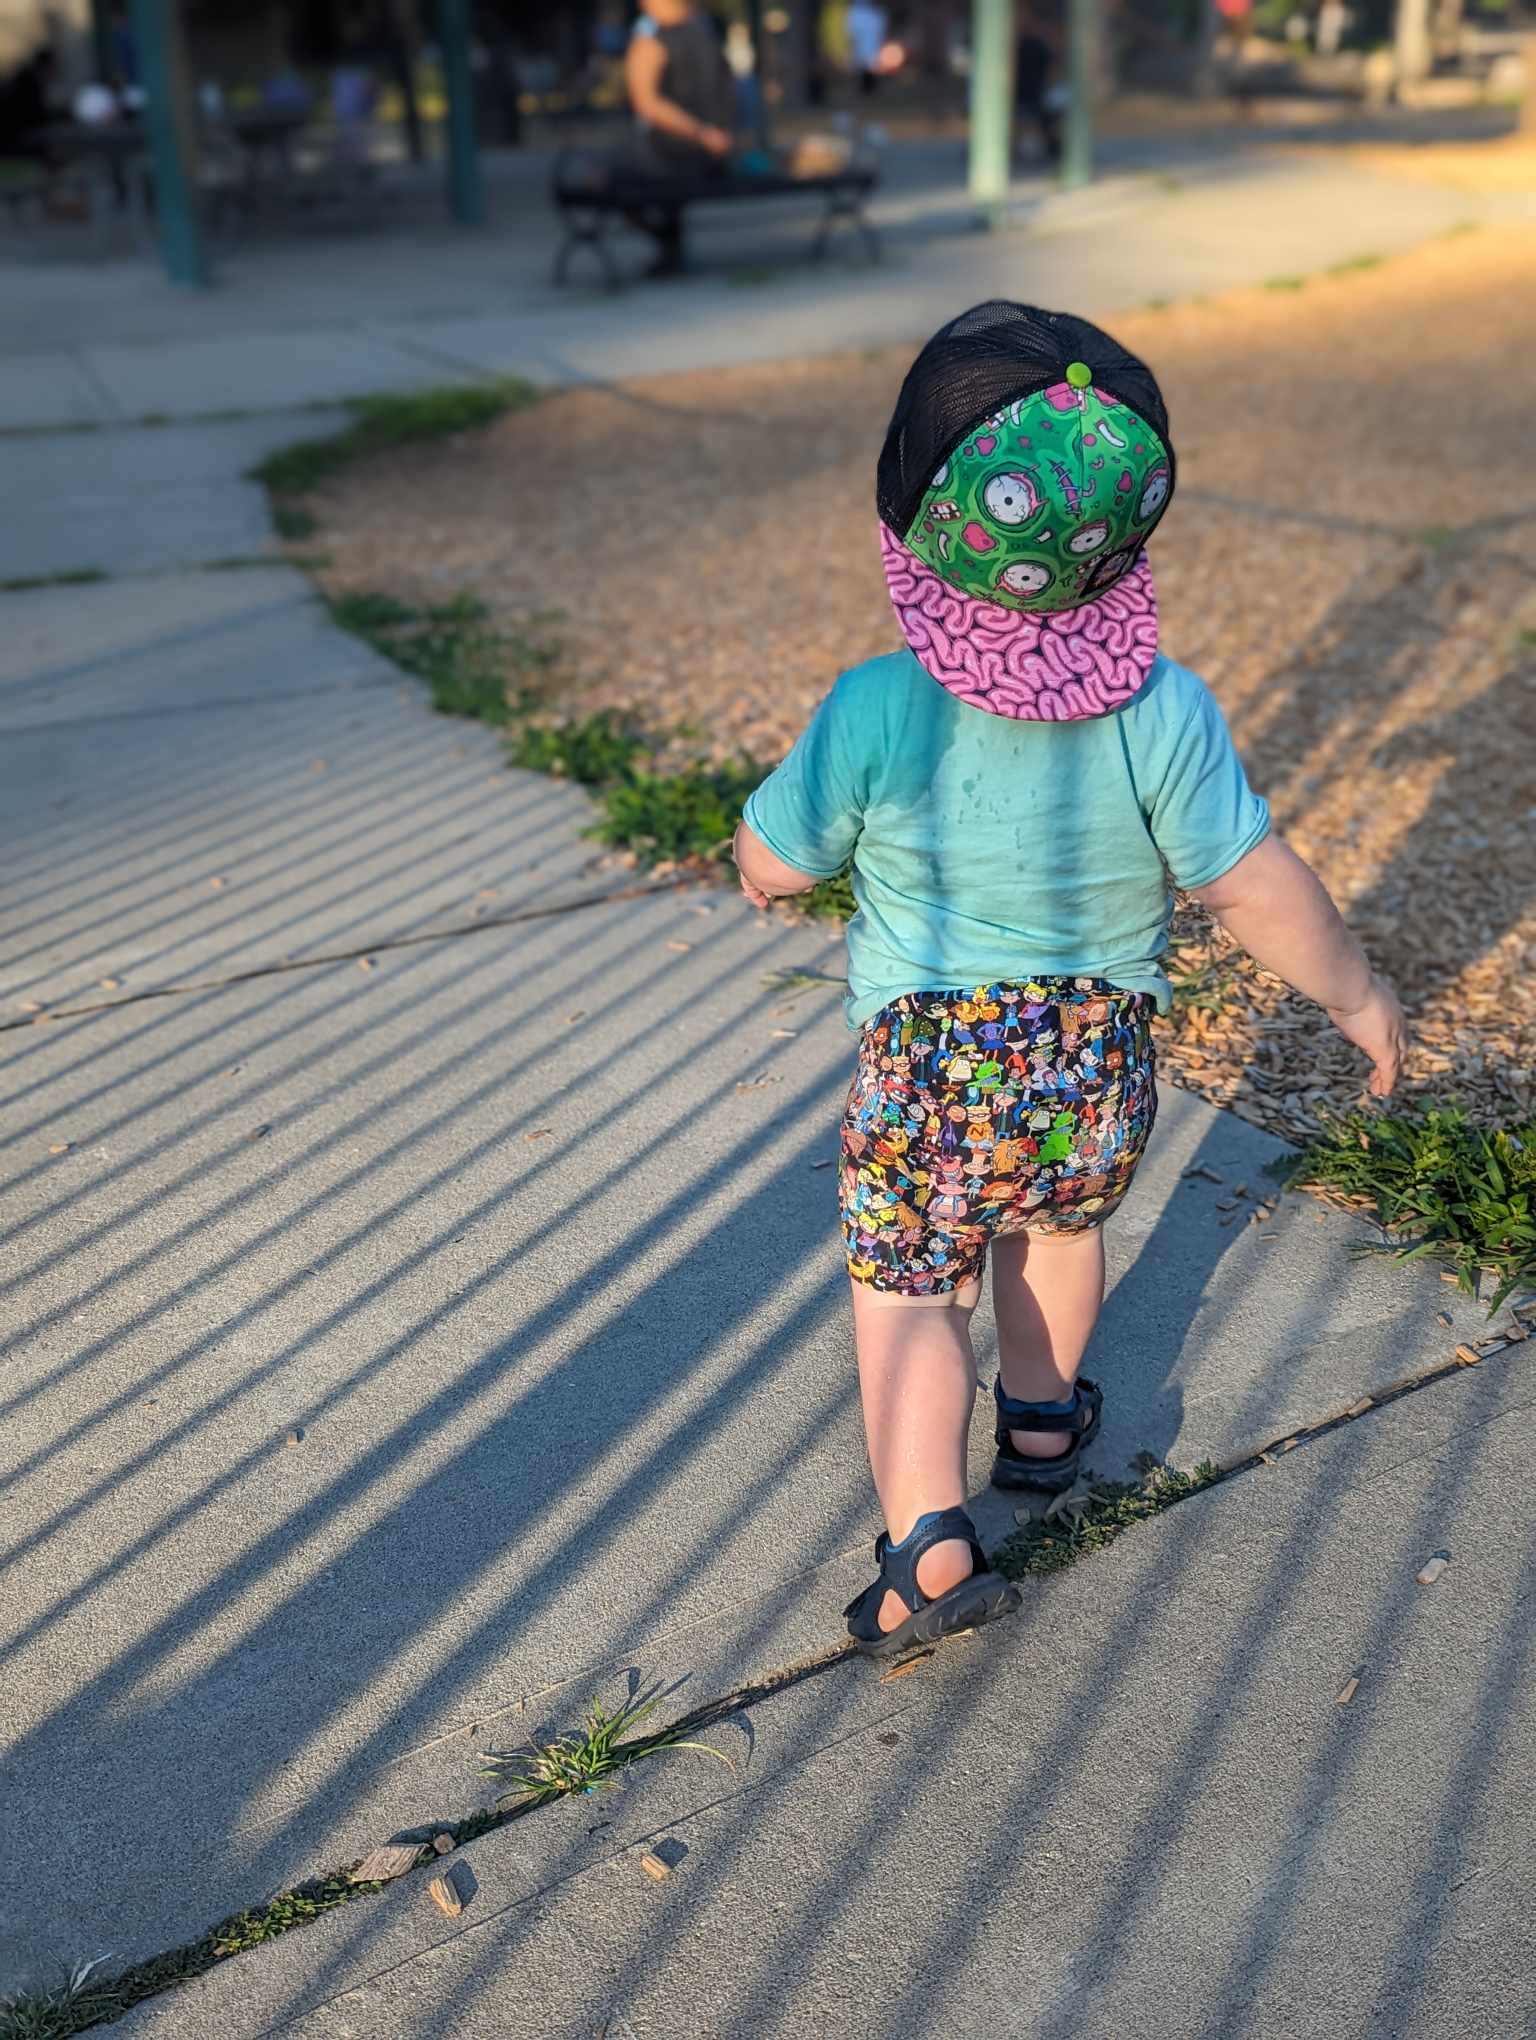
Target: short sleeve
{"x":810,"y":811}
{"x":1204,"y":816}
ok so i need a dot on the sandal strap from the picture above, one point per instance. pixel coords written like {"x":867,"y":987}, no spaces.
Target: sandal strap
{"x":898,"y":1562}
{"x":1081,"y":1419}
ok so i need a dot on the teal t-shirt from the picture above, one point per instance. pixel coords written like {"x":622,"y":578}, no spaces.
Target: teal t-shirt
{"x":987,"y":849}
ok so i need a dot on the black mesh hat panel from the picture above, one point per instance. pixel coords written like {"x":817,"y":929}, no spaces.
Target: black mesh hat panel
{"x":977,"y":364}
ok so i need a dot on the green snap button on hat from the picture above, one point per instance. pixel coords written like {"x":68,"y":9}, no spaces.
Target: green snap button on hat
{"x":1079,"y":374}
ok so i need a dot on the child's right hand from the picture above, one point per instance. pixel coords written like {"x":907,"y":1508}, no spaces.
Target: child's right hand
{"x":1379,"y":1028}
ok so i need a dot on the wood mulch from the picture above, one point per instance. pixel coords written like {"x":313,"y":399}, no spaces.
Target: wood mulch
{"x":1349,"y":562}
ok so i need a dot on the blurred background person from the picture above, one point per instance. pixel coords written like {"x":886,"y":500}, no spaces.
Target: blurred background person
{"x":683,"y":95}
{"x":866,"y":29}
{"x":1036,"y":89}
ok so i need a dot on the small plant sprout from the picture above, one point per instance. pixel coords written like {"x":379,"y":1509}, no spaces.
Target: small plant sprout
{"x":593,"y":1757}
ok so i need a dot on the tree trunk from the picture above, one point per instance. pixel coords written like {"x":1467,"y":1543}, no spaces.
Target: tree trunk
{"x":1411,"y":41}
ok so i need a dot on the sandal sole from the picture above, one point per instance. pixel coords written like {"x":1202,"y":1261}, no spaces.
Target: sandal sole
{"x":984,"y":1598}
{"x":1012,"y":1478}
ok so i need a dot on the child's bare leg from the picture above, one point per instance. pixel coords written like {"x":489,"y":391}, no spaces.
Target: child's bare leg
{"x":1047,"y":1289}
{"x":917,"y":1376}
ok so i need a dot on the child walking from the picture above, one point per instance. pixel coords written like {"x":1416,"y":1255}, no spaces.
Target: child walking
{"x":1017,"y":790}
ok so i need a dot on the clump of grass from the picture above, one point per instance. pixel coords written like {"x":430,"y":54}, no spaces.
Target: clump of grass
{"x":293,"y":523}
{"x":475,"y":667}
{"x":590,"y":1758}
{"x":1447,"y":1190}
{"x":593,"y":750}
{"x":67,"y":577}
{"x":1353,"y":264}
{"x":1285,"y":282}
{"x":1096,"y":1517}
{"x":390,"y":420}
{"x":675,"y":815}
{"x":469,"y":665}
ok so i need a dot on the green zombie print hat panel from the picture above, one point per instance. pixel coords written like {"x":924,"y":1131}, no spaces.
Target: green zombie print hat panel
{"x":1048,"y":501}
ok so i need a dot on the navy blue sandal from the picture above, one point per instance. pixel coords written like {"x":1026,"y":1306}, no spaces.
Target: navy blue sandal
{"x":981,"y":1598}
{"x":1015,"y":1469}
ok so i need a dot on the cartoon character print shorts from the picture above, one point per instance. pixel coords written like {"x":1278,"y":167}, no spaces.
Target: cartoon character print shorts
{"x":1014,"y":1107}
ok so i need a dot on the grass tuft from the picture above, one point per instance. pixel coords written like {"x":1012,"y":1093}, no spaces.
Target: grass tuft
{"x":1095,"y":1516}
{"x":1447,"y":1190}
{"x":1285,"y":283}
{"x":470,"y":666}
{"x":1353,"y":264}
{"x":385,"y":421}
{"x":67,"y":577}
{"x":594,"y":1757}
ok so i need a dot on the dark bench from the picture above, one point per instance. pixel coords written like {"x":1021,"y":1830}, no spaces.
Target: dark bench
{"x":591,"y":191}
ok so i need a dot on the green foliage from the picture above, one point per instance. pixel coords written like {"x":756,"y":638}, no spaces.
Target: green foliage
{"x":1285,"y":282}
{"x":68,"y":577}
{"x":292,"y":523}
{"x":390,"y":420}
{"x":1354,"y":264}
{"x":673,"y":815}
{"x":1449,"y":1190}
{"x":471,"y":667}
{"x":1095,"y":1517}
{"x":594,"y":1757}
{"x":593,"y":750}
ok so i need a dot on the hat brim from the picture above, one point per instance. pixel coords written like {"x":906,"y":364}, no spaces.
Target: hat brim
{"x":1065,"y":665}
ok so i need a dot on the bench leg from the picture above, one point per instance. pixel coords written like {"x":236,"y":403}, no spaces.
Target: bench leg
{"x":585,"y":227}
{"x":841,"y":206}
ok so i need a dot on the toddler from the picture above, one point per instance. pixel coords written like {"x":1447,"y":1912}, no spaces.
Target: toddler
{"x":1017,"y":791}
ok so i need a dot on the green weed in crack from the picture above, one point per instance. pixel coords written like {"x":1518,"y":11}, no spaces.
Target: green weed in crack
{"x":1094,"y":1515}
{"x":388,"y":420}
{"x":593,"y":1757}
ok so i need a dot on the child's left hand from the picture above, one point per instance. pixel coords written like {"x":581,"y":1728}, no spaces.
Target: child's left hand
{"x":754,"y":893}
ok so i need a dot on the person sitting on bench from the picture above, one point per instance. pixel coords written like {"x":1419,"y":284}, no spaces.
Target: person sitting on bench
{"x":683,"y":96}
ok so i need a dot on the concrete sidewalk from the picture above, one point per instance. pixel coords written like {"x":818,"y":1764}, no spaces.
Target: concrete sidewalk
{"x":326,"y":320}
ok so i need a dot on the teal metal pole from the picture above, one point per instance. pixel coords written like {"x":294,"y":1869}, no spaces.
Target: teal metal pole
{"x":991,"y":106}
{"x":1082,"y":85}
{"x":466,"y":188}
{"x":156,"y":37}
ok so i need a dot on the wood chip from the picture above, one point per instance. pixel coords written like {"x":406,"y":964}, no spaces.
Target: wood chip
{"x":1210,"y":1175}
{"x":538,"y":1133}
{"x":258,"y":1133}
{"x":1429,"y":1573}
{"x":31,"y":1006}
{"x":1351,"y":1688}
{"x":680,"y":947}
{"x":579,"y":1013}
{"x":452,"y":1889}
{"x":904,"y":1670}
{"x":653,"y":1866}
{"x":390,"y":1860}
{"x":295,"y":1436}
{"x":61,"y":1147}
{"x":218,"y":884}
{"x":444,"y":1843}
{"x":1516,"y":1331}
{"x":1467,"y":1357}
{"x":783,"y":1033}
{"x":758,"y":1083}
{"x":1443,"y":1317}
{"x":1359,"y":1409}
{"x":1447,"y":1276}
{"x":366,"y":963}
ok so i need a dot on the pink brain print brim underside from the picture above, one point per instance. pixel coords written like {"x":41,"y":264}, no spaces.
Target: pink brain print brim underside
{"x":1060,"y":667}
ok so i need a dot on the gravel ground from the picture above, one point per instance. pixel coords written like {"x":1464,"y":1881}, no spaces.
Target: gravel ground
{"x":1348,"y":561}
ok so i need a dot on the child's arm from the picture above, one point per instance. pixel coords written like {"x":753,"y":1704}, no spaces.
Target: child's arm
{"x":1277,"y":908}
{"x":765,"y":877}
